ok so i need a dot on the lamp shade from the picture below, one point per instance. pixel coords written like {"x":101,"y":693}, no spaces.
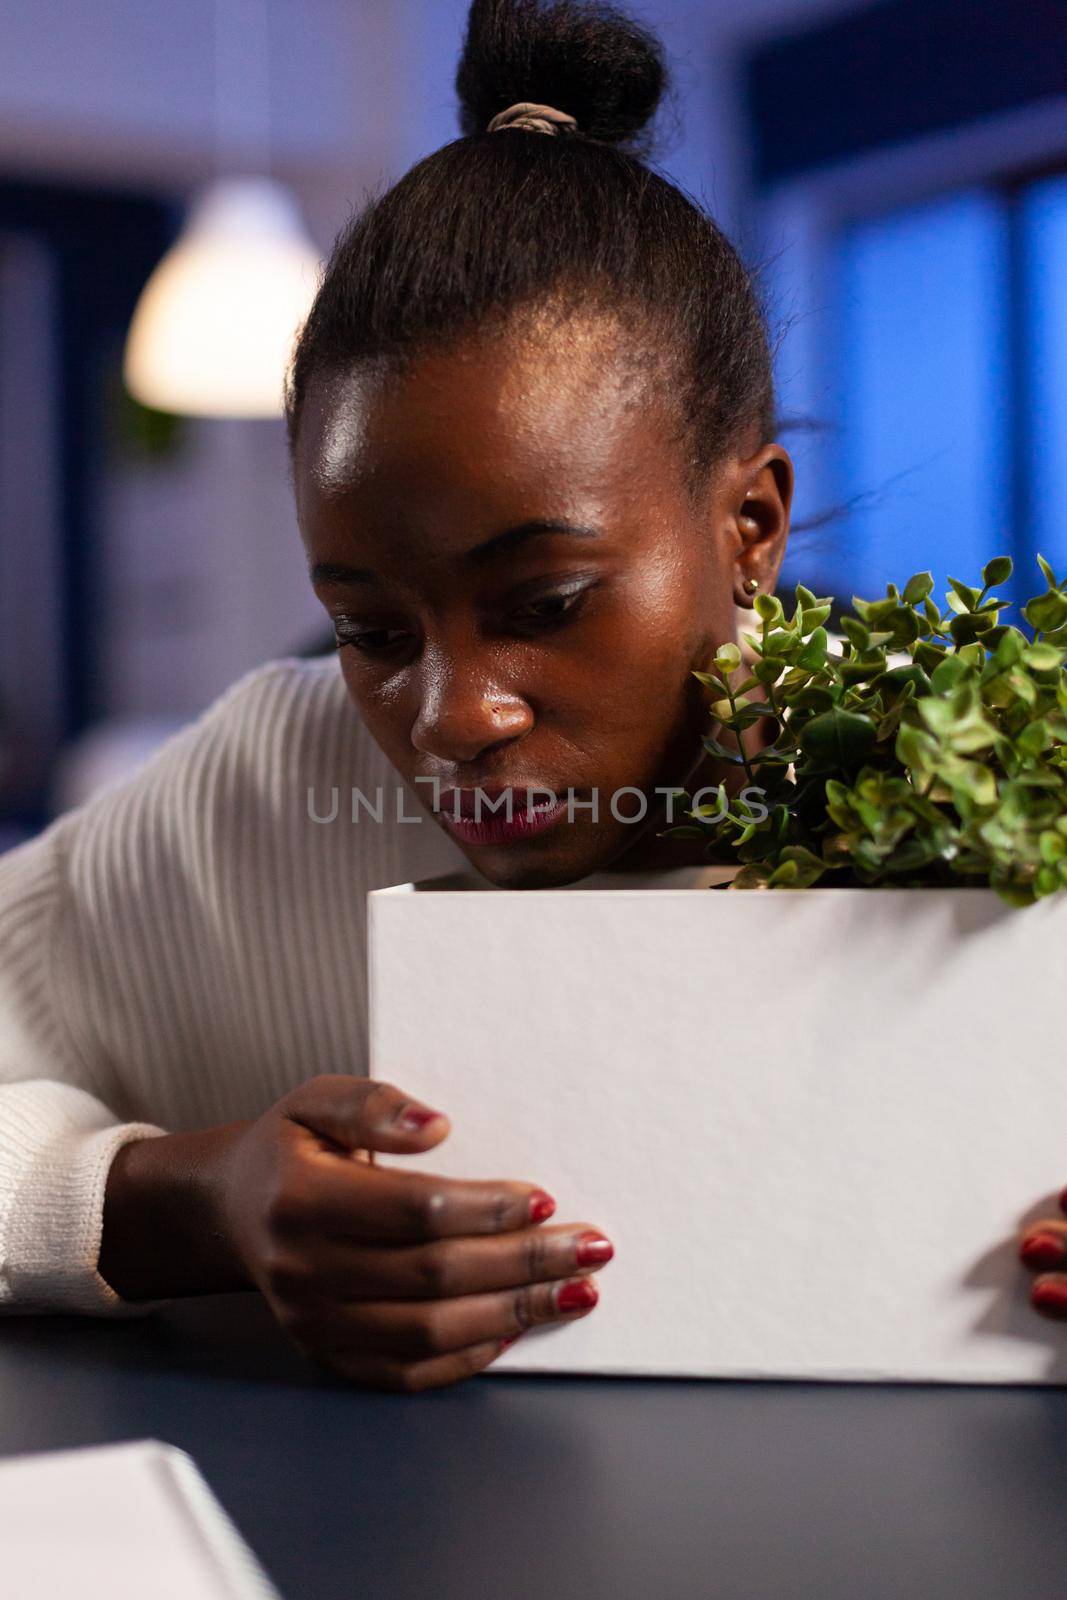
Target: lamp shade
{"x":215,"y":324}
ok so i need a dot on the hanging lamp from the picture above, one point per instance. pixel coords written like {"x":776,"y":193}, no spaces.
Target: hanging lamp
{"x":215,"y":323}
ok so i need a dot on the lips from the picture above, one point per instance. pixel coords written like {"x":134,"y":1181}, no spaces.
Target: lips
{"x":483,"y":815}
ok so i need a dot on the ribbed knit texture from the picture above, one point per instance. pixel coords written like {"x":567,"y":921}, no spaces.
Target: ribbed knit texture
{"x":182,"y":950}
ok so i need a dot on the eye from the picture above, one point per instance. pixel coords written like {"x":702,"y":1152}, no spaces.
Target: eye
{"x":547,"y":610}
{"x":371,"y":641}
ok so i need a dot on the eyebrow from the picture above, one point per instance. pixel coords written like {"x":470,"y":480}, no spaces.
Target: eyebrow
{"x":491,"y":549}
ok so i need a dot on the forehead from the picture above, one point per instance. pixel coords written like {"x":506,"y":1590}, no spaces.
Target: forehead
{"x":570,"y":404}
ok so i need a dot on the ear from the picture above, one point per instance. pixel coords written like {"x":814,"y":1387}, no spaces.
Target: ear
{"x":762,"y":503}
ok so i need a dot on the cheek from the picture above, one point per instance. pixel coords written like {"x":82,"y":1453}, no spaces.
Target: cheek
{"x":652,"y":709}
{"x":381,"y":703}
{"x":622,"y":694}
{"x":660,"y":628}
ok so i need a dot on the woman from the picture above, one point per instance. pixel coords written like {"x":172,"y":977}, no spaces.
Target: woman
{"x":531,"y":424}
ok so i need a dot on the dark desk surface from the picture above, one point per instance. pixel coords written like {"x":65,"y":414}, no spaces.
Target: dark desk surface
{"x":512,"y":1488}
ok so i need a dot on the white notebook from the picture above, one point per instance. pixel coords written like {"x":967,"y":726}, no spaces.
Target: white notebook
{"x":119,"y":1522}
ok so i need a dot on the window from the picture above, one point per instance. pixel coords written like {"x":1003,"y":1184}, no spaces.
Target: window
{"x":943,"y":387}
{"x":1043,"y":336}
{"x":72,"y":262}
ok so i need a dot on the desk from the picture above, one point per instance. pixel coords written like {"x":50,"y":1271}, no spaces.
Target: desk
{"x":539,"y":1488}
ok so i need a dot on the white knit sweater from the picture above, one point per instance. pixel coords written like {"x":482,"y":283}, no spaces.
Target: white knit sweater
{"x":186,"y":947}
{"x":182,"y":950}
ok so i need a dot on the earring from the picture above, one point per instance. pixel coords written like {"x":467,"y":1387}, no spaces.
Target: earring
{"x":750,"y":585}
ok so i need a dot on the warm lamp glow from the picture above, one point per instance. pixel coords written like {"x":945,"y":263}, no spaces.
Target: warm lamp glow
{"x":215,"y":324}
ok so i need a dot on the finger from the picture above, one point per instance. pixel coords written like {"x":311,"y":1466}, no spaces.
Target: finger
{"x":377,"y":1372}
{"x":449,"y":1267}
{"x":384,"y":1205}
{"x":364,"y":1114}
{"x":1049,"y":1294}
{"x":1044,"y":1245}
{"x":413,"y":1332}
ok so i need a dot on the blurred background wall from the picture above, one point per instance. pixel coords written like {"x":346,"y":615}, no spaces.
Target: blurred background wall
{"x":894,"y":170}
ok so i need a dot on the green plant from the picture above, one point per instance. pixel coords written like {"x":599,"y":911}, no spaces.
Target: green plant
{"x":922,"y":749}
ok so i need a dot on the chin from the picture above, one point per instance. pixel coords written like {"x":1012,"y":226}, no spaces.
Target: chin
{"x":515,"y":867}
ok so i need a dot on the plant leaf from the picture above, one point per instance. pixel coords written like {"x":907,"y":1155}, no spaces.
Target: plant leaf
{"x":838,"y":738}
{"x":918,"y":587}
{"x":997,"y":571}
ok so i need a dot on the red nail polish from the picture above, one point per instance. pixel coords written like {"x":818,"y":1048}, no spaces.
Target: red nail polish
{"x":1050,"y":1297}
{"x":542,"y":1205}
{"x":578,"y":1295}
{"x":1063,"y":1200}
{"x":592,"y":1250}
{"x":416,"y":1117}
{"x":505,"y":1343}
{"x":1043,"y":1250}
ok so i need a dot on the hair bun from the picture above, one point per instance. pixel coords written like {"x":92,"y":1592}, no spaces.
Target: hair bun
{"x":590,"y":61}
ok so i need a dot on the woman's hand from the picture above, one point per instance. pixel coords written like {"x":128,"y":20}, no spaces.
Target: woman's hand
{"x":397,"y":1280}
{"x":1044,"y":1248}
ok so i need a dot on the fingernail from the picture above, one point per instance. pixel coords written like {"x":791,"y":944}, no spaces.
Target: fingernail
{"x":416,"y":1117}
{"x":542,"y":1205}
{"x":592,"y":1250}
{"x":1049,"y":1296}
{"x":577,"y":1295}
{"x":505,"y":1343}
{"x":1063,"y":1200}
{"x":1043,"y":1250}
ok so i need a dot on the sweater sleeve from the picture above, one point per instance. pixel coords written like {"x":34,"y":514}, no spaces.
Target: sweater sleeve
{"x":178,"y":952}
{"x":58,"y":1135}
{"x":63,"y":1089}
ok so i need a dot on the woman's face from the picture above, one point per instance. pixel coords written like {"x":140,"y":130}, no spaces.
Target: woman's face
{"x":522,"y":586}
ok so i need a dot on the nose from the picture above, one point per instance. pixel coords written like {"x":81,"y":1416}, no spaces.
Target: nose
{"x":463,"y":712}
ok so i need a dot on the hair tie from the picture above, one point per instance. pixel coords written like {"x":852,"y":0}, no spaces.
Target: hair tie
{"x":525,"y":114}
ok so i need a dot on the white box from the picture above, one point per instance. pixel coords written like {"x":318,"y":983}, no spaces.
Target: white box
{"x":120,"y":1522}
{"x":812,"y":1122}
